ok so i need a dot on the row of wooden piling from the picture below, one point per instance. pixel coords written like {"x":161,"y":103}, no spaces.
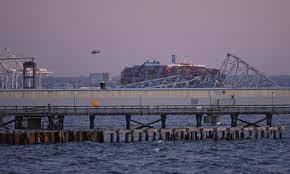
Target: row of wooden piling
{"x":192,"y":134}
{"x":118,"y":136}
{"x":49,"y":137}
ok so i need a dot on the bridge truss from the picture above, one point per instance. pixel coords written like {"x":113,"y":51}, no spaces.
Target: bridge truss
{"x":234,"y":73}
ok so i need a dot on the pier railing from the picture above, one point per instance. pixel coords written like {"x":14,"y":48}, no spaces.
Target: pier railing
{"x":145,"y":109}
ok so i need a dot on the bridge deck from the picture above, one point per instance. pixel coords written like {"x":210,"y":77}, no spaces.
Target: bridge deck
{"x":41,"y":111}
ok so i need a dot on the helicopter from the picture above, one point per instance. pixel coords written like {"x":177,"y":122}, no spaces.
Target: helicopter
{"x":95,"y":52}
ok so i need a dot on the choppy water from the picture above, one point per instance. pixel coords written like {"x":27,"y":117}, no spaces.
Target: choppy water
{"x":246,"y":156}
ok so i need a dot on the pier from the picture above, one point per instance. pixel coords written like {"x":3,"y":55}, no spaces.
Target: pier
{"x":26,"y":110}
{"x":29,"y":130}
{"x":55,"y":114}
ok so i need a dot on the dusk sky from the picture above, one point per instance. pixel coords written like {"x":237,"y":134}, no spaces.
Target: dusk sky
{"x":61,"y":33}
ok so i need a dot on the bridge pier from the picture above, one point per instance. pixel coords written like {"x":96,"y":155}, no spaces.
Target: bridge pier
{"x":163,"y":121}
{"x":18,"y":122}
{"x":198,"y":120}
{"x":92,"y":121}
{"x":55,"y":122}
{"x":234,"y":120}
{"x":269,"y":119}
{"x":128,"y":121}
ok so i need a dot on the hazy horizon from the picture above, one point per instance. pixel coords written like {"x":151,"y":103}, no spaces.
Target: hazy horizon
{"x":61,"y":34}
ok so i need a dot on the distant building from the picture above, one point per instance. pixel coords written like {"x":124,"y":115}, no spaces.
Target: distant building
{"x":97,"y":78}
{"x":65,"y":82}
{"x":152,"y":69}
{"x":63,"y":85}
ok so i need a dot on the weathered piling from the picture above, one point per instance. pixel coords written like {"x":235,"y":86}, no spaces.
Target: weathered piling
{"x":18,"y":137}
{"x":160,"y":137}
{"x":118,"y":139}
{"x":242,"y":133}
{"x":154,"y":136}
{"x":132,"y":136}
{"x":146,"y":135}
{"x":127,"y":137}
{"x":140,"y":136}
{"x":112,"y":137}
{"x":280,"y":130}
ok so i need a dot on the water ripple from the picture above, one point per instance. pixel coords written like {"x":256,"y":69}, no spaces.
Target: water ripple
{"x":247,"y":156}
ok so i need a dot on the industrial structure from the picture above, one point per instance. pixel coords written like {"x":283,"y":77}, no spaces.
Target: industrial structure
{"x":18,"y":72}
{"x":234,"y":73}
{"x":152,"y":74}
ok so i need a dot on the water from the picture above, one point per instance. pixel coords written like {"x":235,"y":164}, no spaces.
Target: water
{"x":245,"y":156}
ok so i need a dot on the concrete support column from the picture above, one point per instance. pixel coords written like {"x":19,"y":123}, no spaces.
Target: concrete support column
{"x":269,"y":119}
{"x":163,"y":121}
{"x":198,"y":120}
{"x":234,"y":120}
{"x":92,"y":121}
{"x":128,"y":121}
{"x":18,"y":122}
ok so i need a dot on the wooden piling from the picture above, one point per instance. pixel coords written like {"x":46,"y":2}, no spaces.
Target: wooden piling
{"x":268,"y":132}
{"x":38,"y":136}
{"x":223,"y":135}
{"x":192,"y":136}
{"x":126,"y":137}
{"x":16,"y":138}
{"x":242,"y":133}
{"x":146,"y":135}
{"x":118,"y":132}
{"x":262,"y":133}
{"x":167,"y":135}
{"x":112,"y":137}
{"x":187,"y":134}
{"x":132,"y":136}
{"x":201,"y":134}
{"x":250,"y":134}
{"x":140,"y":136}
{"x":32,"y":141}
{"x":210,"y":134}
{"x":160,"y":134}
{"x":45,"y":137}
{"x":173,"y":134}
{"x":196,"y":135}
{"x":80,"y":135}
{"x":280,"y":130}
{"x":237,"y":136}
{"x":62,"y":136}
{"x":93,"y":136}
{"x":256,"y":133}
{"x":154,"y":136}
{"x":66,"y":136}
{"x":215,"y":134}
{"x":228,"y":133}
{"x":182,"y":136}
{"x":101,"y":136}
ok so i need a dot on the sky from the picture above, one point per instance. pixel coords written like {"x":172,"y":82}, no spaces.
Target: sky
{"x":61,"y":33}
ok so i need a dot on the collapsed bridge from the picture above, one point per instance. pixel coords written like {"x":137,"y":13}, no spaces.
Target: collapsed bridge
{"x":233,"y":73}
